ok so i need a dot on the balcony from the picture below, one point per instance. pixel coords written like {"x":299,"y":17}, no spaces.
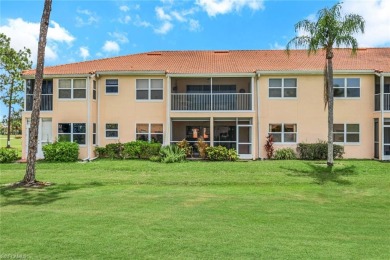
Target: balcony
{"x":386,"y":98}
{"x":46,"y":102}
{"x":211,"y":102}
{"x":211,"y":94}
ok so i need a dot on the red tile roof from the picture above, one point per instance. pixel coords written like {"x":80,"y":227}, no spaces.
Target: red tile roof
{"x":235,"y":61}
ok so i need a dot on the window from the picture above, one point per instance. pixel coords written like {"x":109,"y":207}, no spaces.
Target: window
{"x":346,"y":87}
{"x":112,"y":130}
{"x":283,"y":133}
{"x":149,"y":132}
{"x":346,"y":133}
{"x":72,"y":132}
{"x":283,"y":88}
{"x":72,"y":88}
{"x":149,"y":89}
{"x":46,"y":96}
{"x":94,"y":90}
{"x":94,"y":133}
{"x":112,"y":86}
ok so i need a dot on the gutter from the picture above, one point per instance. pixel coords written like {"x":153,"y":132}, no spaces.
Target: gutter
{"x":138,"y":72}
{"x":50,"y":76}
{"x":314,"y":72}
{"x":210,"y":75}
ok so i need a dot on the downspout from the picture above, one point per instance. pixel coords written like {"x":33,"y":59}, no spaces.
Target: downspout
{"x":253,"y":108}
{"x":88,"y":118}
{"x":98,"y":111}
{"x":382,"y":98}
{"x":167,"y":120}
{"x":258,"y":115}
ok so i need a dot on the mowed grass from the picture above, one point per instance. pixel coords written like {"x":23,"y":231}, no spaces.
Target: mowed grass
{"x":15,"y":143}
{"x":198,"y":210}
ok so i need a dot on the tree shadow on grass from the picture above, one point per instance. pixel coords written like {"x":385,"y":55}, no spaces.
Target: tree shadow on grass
{"x":322,"y":174}
{"x":12,"y":195}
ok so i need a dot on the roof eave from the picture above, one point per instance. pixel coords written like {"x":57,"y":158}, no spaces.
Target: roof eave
{"x":313,"y":72}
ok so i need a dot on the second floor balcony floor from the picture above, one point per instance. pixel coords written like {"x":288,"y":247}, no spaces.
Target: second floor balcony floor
{"x":212,"y":94}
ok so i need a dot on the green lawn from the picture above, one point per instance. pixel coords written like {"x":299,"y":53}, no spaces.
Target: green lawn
{"x":15,"y":143}
{"x":198,"y":210}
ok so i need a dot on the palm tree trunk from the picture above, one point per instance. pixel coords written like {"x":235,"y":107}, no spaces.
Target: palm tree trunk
{"x":34,"y":127}
{"x":9,"y":115}
{"x":329,"y":57}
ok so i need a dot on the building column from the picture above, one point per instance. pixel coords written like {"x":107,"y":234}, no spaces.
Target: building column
{"x":167,"y":133}
{"x":211,"y":131}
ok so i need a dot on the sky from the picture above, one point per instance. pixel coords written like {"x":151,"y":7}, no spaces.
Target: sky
{"x":87,"y":30}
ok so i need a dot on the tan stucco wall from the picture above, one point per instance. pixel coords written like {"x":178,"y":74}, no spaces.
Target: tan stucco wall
{"x":307,"y":111}
{"x":125,"y":110}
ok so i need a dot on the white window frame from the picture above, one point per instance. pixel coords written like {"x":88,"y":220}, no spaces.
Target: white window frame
{"x":345,"y":88}
{"x":112,"y":130}
{"x":94,"y":90}
{"x":282,"y":88}
{"x":72,"y":88}
{"x":149,"y":132}
{"x":345,"y":133}
{"x":73,"y":133}
{"x":111,"y":93}
{"x":94,"y":134}
{"x":149,"y":89}
{"x":282,"y":133}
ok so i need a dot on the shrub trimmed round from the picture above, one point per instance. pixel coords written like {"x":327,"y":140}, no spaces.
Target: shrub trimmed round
{"x":61,"y":152}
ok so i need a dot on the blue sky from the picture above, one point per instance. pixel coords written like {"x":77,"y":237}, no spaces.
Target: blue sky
{"x":86,"y":30}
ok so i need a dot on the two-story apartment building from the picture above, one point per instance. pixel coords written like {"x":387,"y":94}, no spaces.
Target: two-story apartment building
{"x":230,"y":98}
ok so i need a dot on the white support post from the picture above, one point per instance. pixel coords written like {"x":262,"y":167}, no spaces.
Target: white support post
{"x":167,"y":139}
{"x":382,"y":107}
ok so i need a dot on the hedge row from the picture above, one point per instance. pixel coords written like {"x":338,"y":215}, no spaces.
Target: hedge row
{"x":131,"y":150}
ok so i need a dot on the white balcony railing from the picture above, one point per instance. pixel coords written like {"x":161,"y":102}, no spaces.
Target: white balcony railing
{"x":386,"y":98}
{"x":211,"y":102}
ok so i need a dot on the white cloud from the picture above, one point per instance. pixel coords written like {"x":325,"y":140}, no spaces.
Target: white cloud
{"x":215,"y":7}
{"x":194,"y":25}
{"x":84,"y":52}
{"x":178,"y":16}
{"x":164,"y":28}
{"x":26,"y":34}
{"x":376,"y":14}
{"x":141,"y":23}
{"x":87,"y":17}
{"x":120,"y":37}
{"x":111,"y":46}
{"x":124,"y":8}
{"x":125,"y":19}
{"x":277,"y":46}
{"x":162,"y":15}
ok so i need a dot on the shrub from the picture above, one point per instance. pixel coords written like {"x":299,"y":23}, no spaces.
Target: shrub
{"x":61,"y":152}
{"x":318,"y":151}
{"x":172,"y":153}
{"x":149,"y":149}
{"x":155,"y":158}
{"x":183,"y":144}
{"x":114,"y":151}
{"x":132,"y":150}
{"x":202,"y":147}
{"x":269,"y":146}
{"x":221,"y":153}
{"x":285,"y":154}
{"x":101,"y":152}
{"x":8,"y":155}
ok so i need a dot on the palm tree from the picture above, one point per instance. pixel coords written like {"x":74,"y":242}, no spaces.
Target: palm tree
{"x":331,"y":29}
{"x":29,"y":177}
